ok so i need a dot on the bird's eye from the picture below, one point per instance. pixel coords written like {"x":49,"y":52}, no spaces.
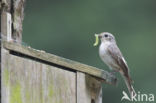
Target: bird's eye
{"x":106,"y":35}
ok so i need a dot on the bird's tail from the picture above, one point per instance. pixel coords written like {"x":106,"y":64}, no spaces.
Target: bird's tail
{"x":129,"y":85}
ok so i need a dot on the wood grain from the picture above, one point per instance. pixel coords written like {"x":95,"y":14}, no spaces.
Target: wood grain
{"x":6,"y":30}
{"x":16,"y":9}
{"x":89,"y":90}
{"x":28,"y":81}
{"x":98,"y":73}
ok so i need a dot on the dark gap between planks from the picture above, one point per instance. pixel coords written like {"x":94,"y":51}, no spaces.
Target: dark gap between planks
{"x":40,"y":60}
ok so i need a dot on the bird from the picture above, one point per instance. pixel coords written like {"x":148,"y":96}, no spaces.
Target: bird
{"x":113,"y":58}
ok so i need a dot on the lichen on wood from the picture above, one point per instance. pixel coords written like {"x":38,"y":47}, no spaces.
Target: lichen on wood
{"x":16,"y":93}
{"x":34,"y":82}
{"x":6,"y":77}
{"x":69,"y":64}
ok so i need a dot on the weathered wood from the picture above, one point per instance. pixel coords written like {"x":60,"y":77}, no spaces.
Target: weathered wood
{"x":16,"y":9}
{"x":6,"y":26}
{"x":33,"y":76}
{"x":89,"y":90}
{"x":18,"y":16}
{"x":28,"y":81}
{"x":5,"y":5}
{"x":101,"y":74}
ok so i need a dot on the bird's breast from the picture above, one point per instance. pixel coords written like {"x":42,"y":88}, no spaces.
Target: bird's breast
{"x":107,"y":57}
{"x":103,"y":52}
{"x":103,"y":49}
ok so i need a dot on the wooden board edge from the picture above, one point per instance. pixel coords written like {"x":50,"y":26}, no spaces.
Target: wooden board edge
{"x":100,"y":74}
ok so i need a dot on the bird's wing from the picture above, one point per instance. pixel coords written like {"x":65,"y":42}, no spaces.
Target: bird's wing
{"x":115,"y":53}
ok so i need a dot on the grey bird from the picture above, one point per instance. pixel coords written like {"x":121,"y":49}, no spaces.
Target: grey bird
{"x":113,"y":58}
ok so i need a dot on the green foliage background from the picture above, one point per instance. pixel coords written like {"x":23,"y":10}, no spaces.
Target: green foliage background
{"x":66,"y":28}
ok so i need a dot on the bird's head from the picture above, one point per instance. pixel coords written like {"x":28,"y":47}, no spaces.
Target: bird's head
{"x":106,"y":37}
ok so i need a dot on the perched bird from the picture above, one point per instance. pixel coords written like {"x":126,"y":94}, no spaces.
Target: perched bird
{"x":113,"y":58}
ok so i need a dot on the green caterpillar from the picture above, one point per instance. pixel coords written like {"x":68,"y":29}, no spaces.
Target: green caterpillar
{"x":96,"y":40}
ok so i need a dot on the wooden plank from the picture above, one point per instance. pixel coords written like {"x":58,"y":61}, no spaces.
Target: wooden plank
{"x":16,"y":9}
{"x":28,"y":81}
{"x":18,"y":16}
{"x":5,"y":5}
{"x":6,"y":26}
{"x":99,"y":73}
{"x":89,"y":90}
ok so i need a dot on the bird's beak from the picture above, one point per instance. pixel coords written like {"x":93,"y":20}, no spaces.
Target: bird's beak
{"x":99,"y":36}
